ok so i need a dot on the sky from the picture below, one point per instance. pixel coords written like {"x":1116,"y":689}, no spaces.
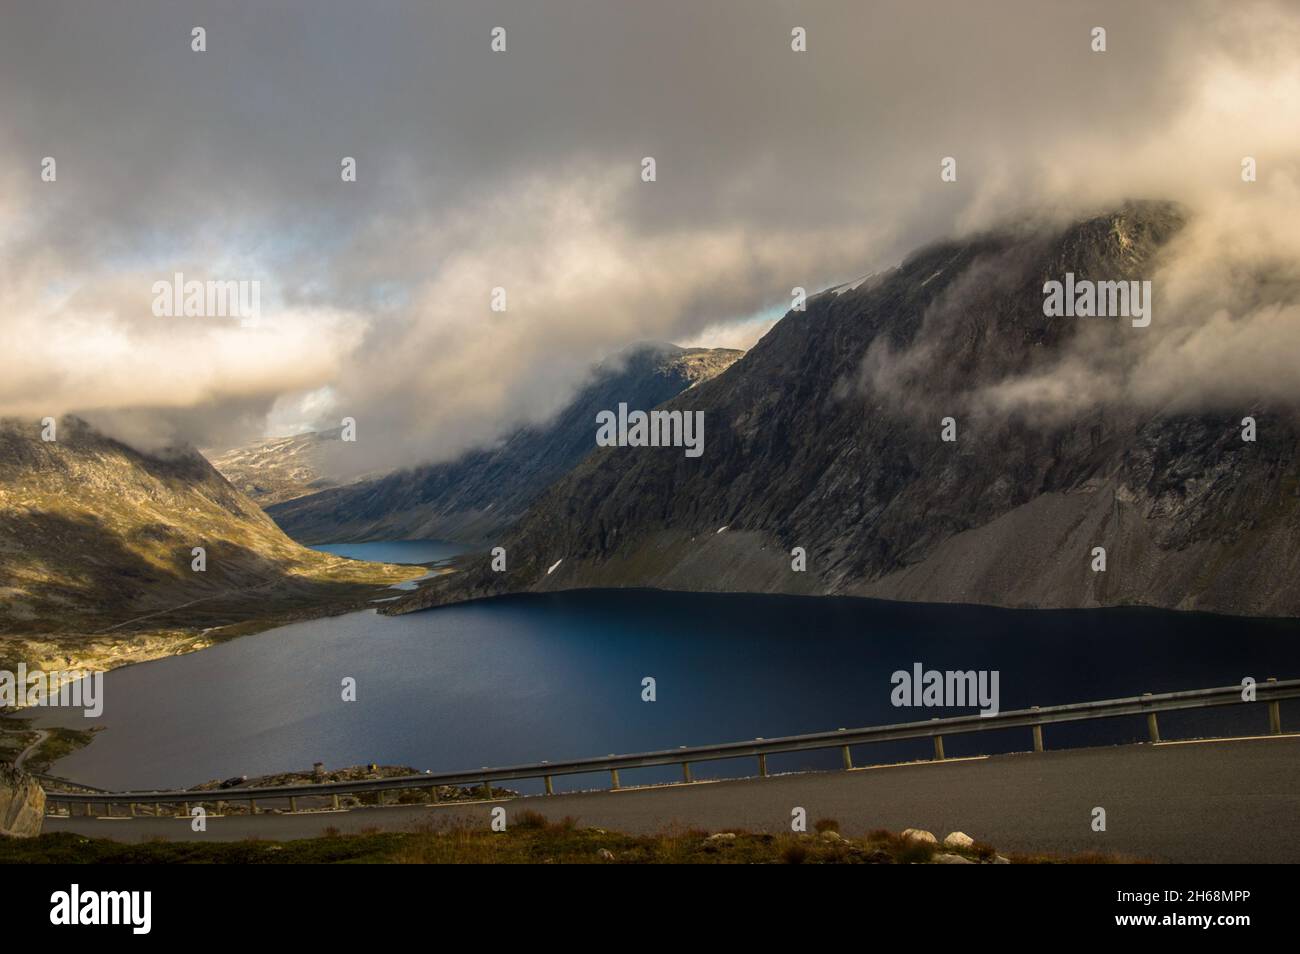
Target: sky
{"x":522,"y":169}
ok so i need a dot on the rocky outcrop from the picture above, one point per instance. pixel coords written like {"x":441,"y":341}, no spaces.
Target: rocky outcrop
{"x":22,"y":803}
{"x":826,"y":437}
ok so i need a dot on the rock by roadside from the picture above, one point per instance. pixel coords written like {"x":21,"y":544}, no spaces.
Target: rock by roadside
{"x":22,"y":803}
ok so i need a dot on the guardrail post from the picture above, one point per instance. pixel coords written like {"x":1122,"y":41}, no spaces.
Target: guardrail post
{"x":221,"y":807}
{"x":1038,"y":737}
{"x":613,"y":777}
{"x":252,"y":806}
{"x":845,"y":755}
{"x":938,"y":748}
{"x":1153,"y":727}
{"x":686,"y":771}
{"x":1274,"y":713}
{"x":550,"y":787}
{"x":185,"y":809}
{"x":487,"y":789}
{"x":762,"y":766}
{"x":293,"y":804}
{"x":334,"y":798}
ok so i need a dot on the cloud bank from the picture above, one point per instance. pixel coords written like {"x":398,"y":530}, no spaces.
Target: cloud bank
{"x":521,"y":170}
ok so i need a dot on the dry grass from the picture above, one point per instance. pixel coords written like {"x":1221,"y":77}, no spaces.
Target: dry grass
{"x":530,"y":838}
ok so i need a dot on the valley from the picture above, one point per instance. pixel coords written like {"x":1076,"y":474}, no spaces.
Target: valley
{"x":96,"y":567}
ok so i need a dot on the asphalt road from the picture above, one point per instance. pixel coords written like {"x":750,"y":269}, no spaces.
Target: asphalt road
{"x":41,"y":736}
{"x":1212,"y":801}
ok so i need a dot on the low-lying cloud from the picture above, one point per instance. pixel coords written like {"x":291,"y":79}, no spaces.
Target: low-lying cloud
{"x":522,"y":170}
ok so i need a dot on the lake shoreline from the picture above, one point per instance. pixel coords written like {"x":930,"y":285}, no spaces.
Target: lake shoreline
{"x":533,"y":677}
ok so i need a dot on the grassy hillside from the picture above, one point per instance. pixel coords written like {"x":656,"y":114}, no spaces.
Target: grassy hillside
{"x":96,"y":543}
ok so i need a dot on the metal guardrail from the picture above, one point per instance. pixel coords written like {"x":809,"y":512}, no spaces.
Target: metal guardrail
{"x":1268,"y":693}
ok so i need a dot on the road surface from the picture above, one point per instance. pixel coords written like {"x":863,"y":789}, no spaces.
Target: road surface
{"x":1234,"y":800}
{"x":41,"y":736}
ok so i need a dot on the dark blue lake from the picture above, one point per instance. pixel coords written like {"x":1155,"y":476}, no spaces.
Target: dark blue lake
{"x":521,"y":679}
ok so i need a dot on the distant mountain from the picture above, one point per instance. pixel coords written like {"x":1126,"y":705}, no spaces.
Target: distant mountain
{"x":96,"y":544}
{"x":816,"y":440}
{"x":277,"y":469}
{"x":473,"y":498}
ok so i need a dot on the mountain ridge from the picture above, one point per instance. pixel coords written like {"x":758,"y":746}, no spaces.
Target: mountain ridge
{"x":826,"y":436}
{"x":476,"y":496}
{"x":276,"y":469}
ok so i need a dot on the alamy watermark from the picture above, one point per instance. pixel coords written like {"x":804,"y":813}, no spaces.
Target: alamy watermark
{"x":70,"y":688}
{"x":930,"y":688}
{"x":75,"y":906}
{"x":179,"y":298}
{"x":651,"y":429}
{"x":1089,"y":299}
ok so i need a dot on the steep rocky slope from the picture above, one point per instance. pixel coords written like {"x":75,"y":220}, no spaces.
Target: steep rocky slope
{"x":96,"y":545}
{"x":473,"y":498}
{"x":826,"y":436}
{"x":277,"y":469}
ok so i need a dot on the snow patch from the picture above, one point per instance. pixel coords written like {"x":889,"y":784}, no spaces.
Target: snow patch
{"x":850,"y":286}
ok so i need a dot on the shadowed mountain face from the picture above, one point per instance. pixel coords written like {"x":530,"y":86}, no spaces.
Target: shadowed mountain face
{"x":96,"y":539}
{"x":475,"y":497}
{"x":827,"y":436}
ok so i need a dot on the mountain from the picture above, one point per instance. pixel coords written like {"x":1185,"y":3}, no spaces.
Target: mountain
{"x":473,"y":498}
{"x":827,"y":436}
{"x":96,"y":544}
{"x":279,"y":468}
